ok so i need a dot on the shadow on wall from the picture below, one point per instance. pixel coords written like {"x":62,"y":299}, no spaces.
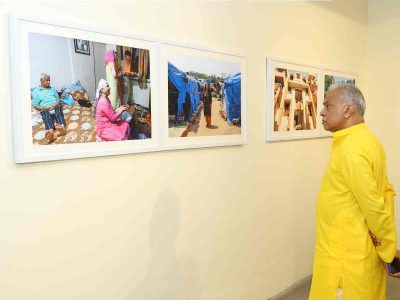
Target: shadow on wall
{"x":168,"y":276}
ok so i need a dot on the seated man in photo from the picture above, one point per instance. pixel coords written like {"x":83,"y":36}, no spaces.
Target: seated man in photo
{"x":45,"y":99}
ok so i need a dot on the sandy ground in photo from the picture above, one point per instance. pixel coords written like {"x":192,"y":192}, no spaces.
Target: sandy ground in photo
{"x":219,"y":126}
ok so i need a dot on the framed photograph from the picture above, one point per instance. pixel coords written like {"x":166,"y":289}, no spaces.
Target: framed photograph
{"x":332,"y":77}
{"x":67,"y":105}
{"x":82,"y":46}
{"x":203,"y":96}
{"x":294,"y":94}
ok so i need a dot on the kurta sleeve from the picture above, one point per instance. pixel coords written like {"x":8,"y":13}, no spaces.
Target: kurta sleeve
{"x":36,"y":97}
{"x":55,"y":94}
{"x":389,"y":197}
{"x":109,"y":112}
{"x":376,"y":207}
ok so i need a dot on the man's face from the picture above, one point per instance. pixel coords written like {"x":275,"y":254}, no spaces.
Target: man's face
{"x":333,"y":112}
{"x":45,"y":82}
{"x":128,"y":58}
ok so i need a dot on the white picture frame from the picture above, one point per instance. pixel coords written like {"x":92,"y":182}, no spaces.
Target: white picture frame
{"x":24,"y":150}
{"x":283,"y":120}
{"x":173,"y":139}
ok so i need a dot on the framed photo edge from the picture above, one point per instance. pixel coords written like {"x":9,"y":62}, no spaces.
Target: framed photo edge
{"x":169,"y":143}
{"x":25,"y":153}
{"x":270,"y":135}
{"x":21,"y":150}
{"x":77,"y":50}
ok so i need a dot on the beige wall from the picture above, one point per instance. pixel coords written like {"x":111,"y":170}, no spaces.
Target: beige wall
{"x":383,"y":65}
{"x":212,"y":224}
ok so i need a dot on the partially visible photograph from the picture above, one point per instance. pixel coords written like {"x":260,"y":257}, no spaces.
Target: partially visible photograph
{"x":99,"y":97}
{"x":204,"y":96}
{"x":331,"y":80}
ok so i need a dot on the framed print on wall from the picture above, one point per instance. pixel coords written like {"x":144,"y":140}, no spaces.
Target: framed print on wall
{"x":203,"y":95}
{"x":91,"y":119}
{"x":82,"y":46}
{"x":293,"y":100}
{"x":332,"y":77}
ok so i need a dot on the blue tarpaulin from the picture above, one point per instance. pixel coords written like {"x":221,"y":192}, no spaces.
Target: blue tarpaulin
{"x":191,"y":86}
{"x":232,"y":91}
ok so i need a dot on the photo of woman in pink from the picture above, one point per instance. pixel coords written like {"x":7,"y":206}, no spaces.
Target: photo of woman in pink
{"x":111,"y":125}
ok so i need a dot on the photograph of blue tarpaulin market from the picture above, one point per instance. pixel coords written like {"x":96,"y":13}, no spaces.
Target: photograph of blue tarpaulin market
{"x":204,"y":96}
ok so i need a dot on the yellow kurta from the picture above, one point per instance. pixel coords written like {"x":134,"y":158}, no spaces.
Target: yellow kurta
{"x":355,"y":198}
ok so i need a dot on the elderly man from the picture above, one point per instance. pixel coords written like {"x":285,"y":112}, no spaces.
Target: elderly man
{"x":355,"y":203}
{"x":45,"y":99}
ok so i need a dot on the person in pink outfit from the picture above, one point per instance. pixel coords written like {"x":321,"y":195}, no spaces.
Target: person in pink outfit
{"x":111,"y":125}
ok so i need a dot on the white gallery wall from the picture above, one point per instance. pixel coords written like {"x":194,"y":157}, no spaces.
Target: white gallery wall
{"x":56,"y":55}
{"x":224,"y":223}
{"x":52,"y":55}
{"x":99,"y":50}
{"x":83,"y":67}
{"x":383,"y":90}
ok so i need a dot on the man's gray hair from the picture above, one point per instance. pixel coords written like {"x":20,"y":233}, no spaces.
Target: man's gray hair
{"x":350,"y":93}
{"x":43,"y":75}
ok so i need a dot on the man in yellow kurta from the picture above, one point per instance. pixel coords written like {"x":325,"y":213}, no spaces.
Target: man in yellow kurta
{"x":355,"y":201}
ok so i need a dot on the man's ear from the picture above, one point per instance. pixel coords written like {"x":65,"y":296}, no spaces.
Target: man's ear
{"x":349,"y":110}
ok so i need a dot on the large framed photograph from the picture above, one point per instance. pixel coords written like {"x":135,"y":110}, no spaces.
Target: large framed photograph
{"x":332,"y":77}
{"x":68,"y":105}
{"x":203,"y":96}
{"x":293,"y":100}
